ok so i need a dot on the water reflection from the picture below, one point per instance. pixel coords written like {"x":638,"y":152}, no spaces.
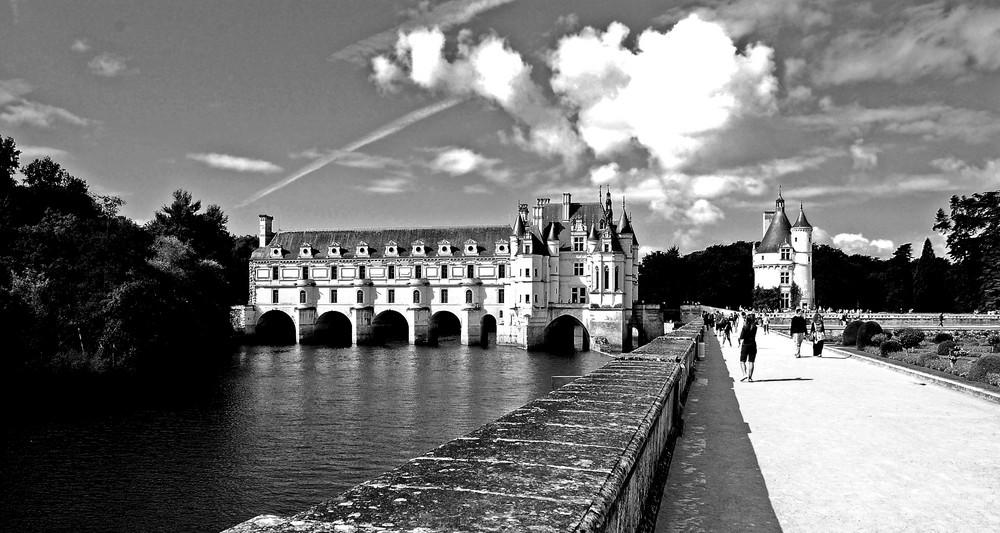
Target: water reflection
{"x":279,"y":430}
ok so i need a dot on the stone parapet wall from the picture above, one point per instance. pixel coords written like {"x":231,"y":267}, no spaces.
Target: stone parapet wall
{"x":902,"y":320}
{"x":582,"y":458}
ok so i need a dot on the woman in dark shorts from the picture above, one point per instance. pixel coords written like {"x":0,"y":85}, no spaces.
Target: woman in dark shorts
{"x":748,"y":348}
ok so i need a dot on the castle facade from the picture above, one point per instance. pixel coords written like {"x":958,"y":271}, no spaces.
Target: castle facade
{"x":784,"y":255}
{"x":562,"y":274}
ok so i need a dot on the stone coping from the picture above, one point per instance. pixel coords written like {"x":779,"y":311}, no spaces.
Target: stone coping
{"x":559,"y":463}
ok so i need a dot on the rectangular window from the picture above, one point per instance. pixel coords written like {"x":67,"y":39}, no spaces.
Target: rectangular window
{"x":536,"y":272}
{"x":361,"y":272}
{"x":574,"y":296}
{"x":527,"y":272}
{"x":444,"y":296}
{"x":274,"y":272}
{"x":786,"y":254}
{"x":583,"y":295}
{"x":607,"y":247}
{"x":527,"y":298}
{"x":470,"y":271}
{"x":499,"y":296}
{"x":419,"y":271}
{"x":577,"y":269}
{"x":577,"y":244}
{"x":444,"y":271}
{"x":502,"y":271}
{"x":536,"y":298}
{"x":333,"y":296}
{"x":305,"y":272}
{"x":333,"y":272}
{"x":392,"y":272}
{"x":391,"y":296}
{"x":785,"y":277}
{"x":274,"y":296}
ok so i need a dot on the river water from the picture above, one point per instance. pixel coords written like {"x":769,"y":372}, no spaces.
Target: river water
{"x":279,"y":430}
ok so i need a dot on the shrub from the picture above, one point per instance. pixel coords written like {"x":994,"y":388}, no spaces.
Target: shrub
{"x":941,"y":337}
{"x":938,"y":364}
{"x":850,"y":335}
{"x":877,"y":340}
{"x":993,"y":378}
{"x":910,"y":337}
{"x":983,"y":366}
{"x":945,"y":347}
{"x":925,"y":359}
{"x":866,"y":332}
{"x":993,"y":340}
{"x":888,"y":347}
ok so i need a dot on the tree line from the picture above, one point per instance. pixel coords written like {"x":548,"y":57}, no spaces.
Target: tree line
{"x":969,"y":280}
{"x":86,"y":289}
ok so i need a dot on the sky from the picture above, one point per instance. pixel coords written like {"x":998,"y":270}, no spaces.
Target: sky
{"x":367,"y":113}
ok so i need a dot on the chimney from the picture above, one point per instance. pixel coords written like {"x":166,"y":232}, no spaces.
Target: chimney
{"x":536,"y":213}
{"x":265,"y":232}
{"x":565,"y":206}
{"x":522,"y":211}
{"x":768,"y":215}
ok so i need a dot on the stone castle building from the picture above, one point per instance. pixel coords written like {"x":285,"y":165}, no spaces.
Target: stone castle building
{"x":784,"y":255}
{"x":562,"y":273}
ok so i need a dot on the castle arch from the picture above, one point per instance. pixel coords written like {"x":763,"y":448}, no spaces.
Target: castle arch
{"x":333,"y":328}
{"x":566,"y":334}
{"x":275,"y":327}
{"x":444,"y":326}
{"x":390,"y":326}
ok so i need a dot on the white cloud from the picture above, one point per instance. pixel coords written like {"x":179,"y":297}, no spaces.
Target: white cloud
{"x":703,"y":212}
{"x":936,"y":39}
{"x":80,"y":45}
{"x":865,"y":157}
{"x":821,"y":236}
{"x":462,"y":161}
{"x":387,"y":185}
{"x":109,"y":65}
{"x":928,"y":121}
{"x":625,"y":97}
{"x":235,"y":163}
{"x":16,"y":109}
{"x":604,"y":174}
{"x":477,"y":188}
{"x":856,"y":243}
{"x":744,"y":17}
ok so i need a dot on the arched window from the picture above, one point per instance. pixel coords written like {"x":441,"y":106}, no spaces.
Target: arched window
{"x":416,"y":296}
{"x":468,"y":296}
{"x":361,"y":296}
{"x":597,"y":278}
{"x":607,"y":274}
{"x":302,"y":297}
{"x":616,"y":278}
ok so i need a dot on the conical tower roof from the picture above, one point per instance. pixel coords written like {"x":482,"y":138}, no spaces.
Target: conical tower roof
{"x":594,"y":235}
{"x":519,"y":227}
{"x":779,"y":231}
{"x":624,"y":225}
{"x":552,"y":232}
{"x":801,"y":221}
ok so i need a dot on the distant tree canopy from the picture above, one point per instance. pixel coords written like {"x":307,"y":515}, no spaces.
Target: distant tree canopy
{"x":89,"y":290}
{"x":723,"y":275}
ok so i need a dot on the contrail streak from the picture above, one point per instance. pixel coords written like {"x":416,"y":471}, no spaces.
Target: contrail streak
{"x":376,"y":135}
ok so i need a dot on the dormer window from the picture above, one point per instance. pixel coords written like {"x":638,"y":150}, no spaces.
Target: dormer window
{"x":527,"y":247}
{"x":276,"y":251}
{"x":362,"y":249}
{"x":444,"y":248}
{"x":391,"y":249}
{"x":306,"y":250}
{"x":786,"y":254}
{"x":418,"y":248}
{"x":334,"y":250}
{"x":501,"y":247}
{"x":471,"y":247}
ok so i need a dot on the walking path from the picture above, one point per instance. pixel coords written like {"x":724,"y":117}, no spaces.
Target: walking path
{"x":829,"y":444}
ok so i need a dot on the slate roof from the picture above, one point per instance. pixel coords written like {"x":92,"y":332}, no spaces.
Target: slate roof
{"x":291,"y":241}
{"x":590,"y":212}
{"x":801,"y":221}
{"x":779,"y":232}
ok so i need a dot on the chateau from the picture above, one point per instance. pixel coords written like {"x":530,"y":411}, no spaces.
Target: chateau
{"x":784,"y":255}
{"x":562,"y":274}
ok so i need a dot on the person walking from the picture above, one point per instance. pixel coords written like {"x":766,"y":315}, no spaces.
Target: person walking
{"x":818,"y":333}
{"x":767,"y":324}
{"x":798,"y":331}
{"x":748,"y":347}
{"x":727,"y":331}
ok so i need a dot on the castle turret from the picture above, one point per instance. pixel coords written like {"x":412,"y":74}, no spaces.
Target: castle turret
{"x":552,"y":239}
{"x":592,"y":239}
{"x":802,"y":247}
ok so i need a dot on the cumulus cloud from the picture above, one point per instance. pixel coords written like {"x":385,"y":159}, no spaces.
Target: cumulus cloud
{"x":80,"y":45}
{"x":856,"y":243}
{"x":16,"y":109}
{"x":235,"y":163}
{"x":703,"y":212}
{"x":488,"y":69}
{"x":462,"y":161}
{"x":821,"y":236}
{"x":443,"y":15}
{"x":745,"y":17}
{"x":936,"y":39}
{"x":109,"y":65}
{"x":865,"y":157}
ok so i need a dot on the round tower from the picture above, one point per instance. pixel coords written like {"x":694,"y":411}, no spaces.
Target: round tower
{"x":802,"y":247}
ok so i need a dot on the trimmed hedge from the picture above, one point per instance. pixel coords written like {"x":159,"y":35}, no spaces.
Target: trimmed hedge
{"x":987,"y":364}
{"x":910,"y":337}
{"x":889,"y":347}
{"x":945,"y":347}
{"x":850,"y":335}
{"x":866,"y":332}
{"x":941,"y":337}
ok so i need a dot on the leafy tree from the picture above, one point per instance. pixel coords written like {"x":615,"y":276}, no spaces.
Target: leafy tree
{"x":972,"y":231}
{"x":662,"y":278}
{"x":899,"y":279}
{"x":766,"y":298}
{"x":930,"y":292}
